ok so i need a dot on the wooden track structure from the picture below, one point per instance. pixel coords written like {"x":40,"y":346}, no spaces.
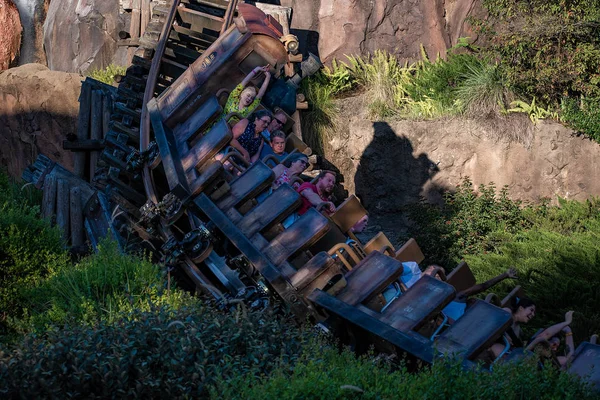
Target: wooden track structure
{"x":157,"y":179}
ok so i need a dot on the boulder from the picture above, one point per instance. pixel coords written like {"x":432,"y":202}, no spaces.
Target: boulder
{"x":10,"y":34}
{"x":81,"y":35}
{"x":38,"y":109}
{"x":389,"y":164}
{"x":401,"y":27}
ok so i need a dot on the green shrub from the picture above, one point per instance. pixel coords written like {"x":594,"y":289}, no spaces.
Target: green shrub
{"x":558,"y":271}
{"x":326,"y":374}
{"x":554,"y":248}
{"x":165,"y":353}
{"x":100,"y":287}
{"x":468,"y":223}
{"x":107,"y":75}
{"x":583,"y":115}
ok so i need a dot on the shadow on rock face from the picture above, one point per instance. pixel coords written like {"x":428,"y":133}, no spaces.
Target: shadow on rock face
{"x":390,"y":176}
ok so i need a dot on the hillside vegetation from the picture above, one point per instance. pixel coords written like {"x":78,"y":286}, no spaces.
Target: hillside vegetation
{"x":106,"y":325}
{"x":539,"y":58}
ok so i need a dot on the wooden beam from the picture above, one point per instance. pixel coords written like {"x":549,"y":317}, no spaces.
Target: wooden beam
{"x":49,"y":199}
{"x":83,"y":145}
{"x":76,"y":214}
{"x":96,"y":128}
{"x":62,"y":207}
{"x":83,"y":126}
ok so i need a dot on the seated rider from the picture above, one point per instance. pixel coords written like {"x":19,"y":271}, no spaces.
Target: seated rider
{"x":246,"y":134}
{"x":294,"y":165}
{"x":276,"y":148}
{"x":244,"y":99}
{"x":554,"y":343}
{"x":318,"y":194}
{"x":522,"y":311}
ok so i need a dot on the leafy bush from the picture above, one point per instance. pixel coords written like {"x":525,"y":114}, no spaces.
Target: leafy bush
{"x":583,"y":115}
{"x":546,"y":49}
{"x":164,"y":353}
{"x":468,"y":223}
{"x":559,"y":272}
{"x":326,"y":374}
{"x":107,"y":75}
{"x":554,"y":248}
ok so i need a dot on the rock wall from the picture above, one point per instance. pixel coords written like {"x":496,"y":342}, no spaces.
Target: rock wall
{"x":399,"y":26}
{"x":33,"y":14}
{"x":389,"y":164}
{"x":38,"y":109}
{"x":10,"y":33}
{"x":81,"y":34}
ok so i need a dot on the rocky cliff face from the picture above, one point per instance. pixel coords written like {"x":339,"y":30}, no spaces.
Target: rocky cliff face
{"x":33,"y":14}
{"x":38,"y":109}
{"x":10,"y":33}
{"x":399,"y":26}
{"x":390,"y":164}
{"x":81,"y":34}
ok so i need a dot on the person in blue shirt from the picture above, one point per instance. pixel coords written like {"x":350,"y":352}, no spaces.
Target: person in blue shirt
{"x":276,"y":148}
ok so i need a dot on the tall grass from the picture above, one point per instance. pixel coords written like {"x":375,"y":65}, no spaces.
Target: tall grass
{"x":320,"y":120}
{"x":100,"y":287}
{"x":482,"y":91}
{"x":461,"y":84}
{"x":384,"y":79}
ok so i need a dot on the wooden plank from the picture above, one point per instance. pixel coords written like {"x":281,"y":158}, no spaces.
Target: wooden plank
{"x":410,"y":251}
{"x":83,"y":126}
{"x":311,"y":226}
{"x":76,"y":214}
{"x":49,"y":197}
{"x":378,"y":242}
{"x":297,"y":127}
{"x":83,"y":145}
{"x":409,"y":342}
{"x":96,"y":128}
{"x":188,"y":129}
{"x":134,"y":27}
{"x":207,"y":147}
{"x":373,"y":274}
{"x":480,"y":326}
{"x":425,"y":299}
{"x":273,"y":210}
{"x":311,"y":270}
{"x":169,"y":154}
{"x":145,"y":16}
{"x":285,"y":290}
{"x":348,"y":213}
{"x":253,"y":181}
{"x":461,"y":277}
{"x":206,"y":176}
{"x":62,"y":207}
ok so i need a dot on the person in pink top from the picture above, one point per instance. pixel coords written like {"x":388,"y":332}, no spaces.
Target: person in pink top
{"x":319,"y":193}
